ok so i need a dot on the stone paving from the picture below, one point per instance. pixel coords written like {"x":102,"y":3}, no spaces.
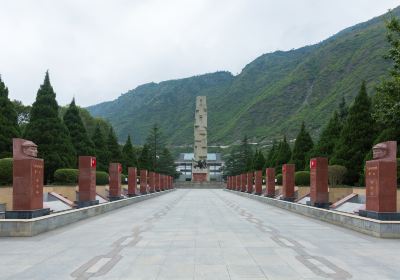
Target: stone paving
{"x":200,"y":234}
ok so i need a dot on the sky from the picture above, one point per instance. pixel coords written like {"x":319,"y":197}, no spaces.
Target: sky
{"x":95,"y":50}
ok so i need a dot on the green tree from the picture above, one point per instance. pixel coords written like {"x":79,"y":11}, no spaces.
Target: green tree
{"x":232,"y":162}
{"x":80,"y":139}
{"x":302,"y":148}
{"x":48,"y":131}
{"x":328,"y":137}
{"x":156,"y":145}
{"x":166,"y":163}
{"x":271,"y":158}
{"x":129,"y":158}
{"x":387,"y":99}
{"x":8,"y":122}
{"x":343,"y":110}
{"x":259,"y":160}
{"x":23,"y":114}
{"x":356,"y":137}
{"x":283,"y":155}
{"x":100,"y":148}
{"x":144,"y":159}
{"x":114,"y":152}
{"x":245,"y":156}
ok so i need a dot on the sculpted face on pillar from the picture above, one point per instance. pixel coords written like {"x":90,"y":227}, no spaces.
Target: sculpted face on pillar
{"x":385,"y":151}
{"x":24,"y":149}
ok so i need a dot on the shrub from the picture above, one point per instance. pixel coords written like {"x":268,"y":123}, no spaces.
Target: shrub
{"x":101,"y":178}
{"x":66,"y":176}
{"x":302,"y":178}
{"x":6,"y":171}
{"x":278,"y":179}
{"x":336,"y":174}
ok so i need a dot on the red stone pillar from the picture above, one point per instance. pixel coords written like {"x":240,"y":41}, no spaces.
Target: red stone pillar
{"x":143,"y":181}
{"x":270,"y":182}
{"x":132,"y":181}
{"x":151,"y":182}
{"x":238,"y":182}
{"x":157,"y":182}
{"x":319,"y":195}
{"x":249,"y":182}
{"x":258,"y":182}
{"x":87,"y":182}
{"x":162,"y":186}
{"x":114,"y":171}
{"x":172,"y":182}
{"x":381,"y":183}
{"x":243,"y":182}
{"x":288,"y":182}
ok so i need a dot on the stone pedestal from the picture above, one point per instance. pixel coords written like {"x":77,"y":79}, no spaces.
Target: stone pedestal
{"x":319,"y":195}
{"x":258,"y":182}
{"x":87,"y":182}
{"x":157,"y":182}
{"x":270,"y":182}
{"x":249,"y":183}
{"x":381,"y":183}
{"x":288,"y":182}
{"x":200,"y":176}
{"x":143,"y":181}
{"x":132,"y":182}
{"x":28,"y":174}
{"x":152,"y":179}
{"x":114,"y":171}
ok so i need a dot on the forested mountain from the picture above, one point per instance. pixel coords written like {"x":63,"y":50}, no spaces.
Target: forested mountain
{"x":270,"y":97}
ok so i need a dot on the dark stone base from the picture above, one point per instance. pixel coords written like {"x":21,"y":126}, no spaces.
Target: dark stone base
{"x":114,"y":198}
{"x":289,"y":199}
{"x":270,"y":196}
{"x":323,"y":205}
{"x":383,"y":216}
{"x":258,"y":193}
{"x":27,"y":214}
{"x":82,"y":204}
{"x":131,"y":194}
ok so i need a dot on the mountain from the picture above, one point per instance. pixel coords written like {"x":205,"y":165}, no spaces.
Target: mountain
{"x":270,"y":97}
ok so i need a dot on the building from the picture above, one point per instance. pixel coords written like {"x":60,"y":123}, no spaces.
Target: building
{"x":185,"y":161}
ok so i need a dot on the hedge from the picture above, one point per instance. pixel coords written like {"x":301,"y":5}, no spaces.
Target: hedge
{"x":6,"y":171}
{"x":101,"y":178}
{"x":66,"y":176}
{"x":278,"y":179}
{"x":302,"y":178}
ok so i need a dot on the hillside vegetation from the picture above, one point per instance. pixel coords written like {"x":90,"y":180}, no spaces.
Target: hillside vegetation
{"x":270,"y":97}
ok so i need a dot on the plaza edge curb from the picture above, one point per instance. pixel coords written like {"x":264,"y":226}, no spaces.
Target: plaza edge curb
{"x":32,"y":227}
{"x":372,"y":227}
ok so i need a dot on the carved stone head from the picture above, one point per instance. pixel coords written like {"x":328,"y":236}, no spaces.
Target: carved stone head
{"x":385,"y":151}
{"x":23,"y":149}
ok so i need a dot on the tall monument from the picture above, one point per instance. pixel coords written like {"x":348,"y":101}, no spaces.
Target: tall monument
{"x":200,"y":172}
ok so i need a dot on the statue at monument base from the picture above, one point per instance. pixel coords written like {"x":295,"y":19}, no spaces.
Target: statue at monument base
{"x":28,"y":174}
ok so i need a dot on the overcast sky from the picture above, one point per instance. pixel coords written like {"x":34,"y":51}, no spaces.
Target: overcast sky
{"x":95,"y":50}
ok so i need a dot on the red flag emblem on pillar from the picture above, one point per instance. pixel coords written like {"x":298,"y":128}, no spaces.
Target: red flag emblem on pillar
{"x":119,"y":168}
{"x":93,"y":163}
{"x":313,"y":163}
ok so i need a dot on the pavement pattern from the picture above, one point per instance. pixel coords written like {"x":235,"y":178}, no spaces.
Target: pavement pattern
{"x":200,"y":234}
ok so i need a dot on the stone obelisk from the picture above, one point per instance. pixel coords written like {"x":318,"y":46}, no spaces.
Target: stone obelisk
{"x":200,"y":172}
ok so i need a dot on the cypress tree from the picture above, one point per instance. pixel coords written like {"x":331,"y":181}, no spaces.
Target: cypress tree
{"x":283,"y":155}
{"x":129,"y":158}
{"x":328,"y":138}
{"x":166,"y":163}
{"x":8,"y":122}
{"x":343,"y":110}
{"x":47,"y":131}
{"x":301,"y":149}
{"x":271,"y":158}
{"x":259,"y":160}
{"x":100,"y":148}
{"x":155,"y":143}
{"x":144,"y":159}
{"x":79,"y":136}
{"x":245,"y":160}
{"x":356,"y":137}
{"x":114,"y":151}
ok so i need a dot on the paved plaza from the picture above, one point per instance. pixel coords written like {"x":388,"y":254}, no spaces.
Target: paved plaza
{"x":200,"y":234}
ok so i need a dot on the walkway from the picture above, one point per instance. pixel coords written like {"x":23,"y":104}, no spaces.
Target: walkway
{"x":200,"y":234}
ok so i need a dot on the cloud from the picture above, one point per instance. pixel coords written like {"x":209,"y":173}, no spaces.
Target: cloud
{"x":96,"y":50}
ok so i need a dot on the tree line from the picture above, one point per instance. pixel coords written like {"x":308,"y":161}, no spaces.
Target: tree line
{"x":62,"y":136}
{"x":348,"y":136}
